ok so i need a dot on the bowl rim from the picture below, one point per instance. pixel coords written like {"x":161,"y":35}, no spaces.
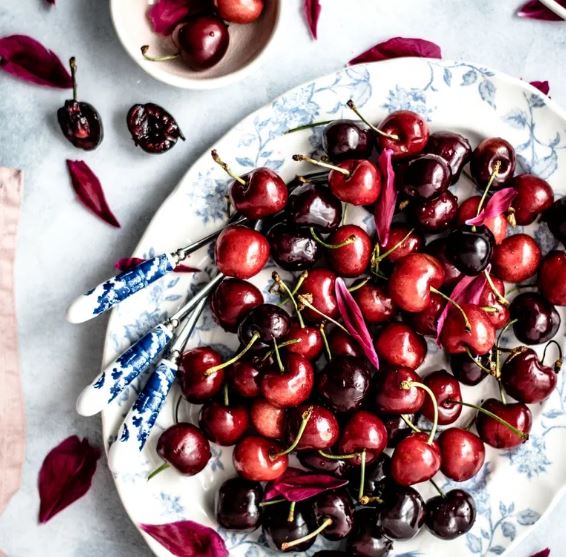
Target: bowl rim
{"x":155,"y":71}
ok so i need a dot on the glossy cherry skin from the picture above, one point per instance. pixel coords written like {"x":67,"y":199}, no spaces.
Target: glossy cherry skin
{"x":377,"y":478}
{"x":310,"y":343}
{"x":497,"y":435}
{"x":277,"y":529}
{"x":253,"y":459}
{"x":224,"y":425}
{"x":268,"y":420}
{"x":555,"y":217}
{"x":353,"y":259}
{"x":363,"y":431}
{"x":336,"y":505}
{"x":322,"y":429}
{"x":434,"y":214}
{"x":343,"y":344}
{"x":240,"y":252}
{"x":426,"y":322}
{"x":537,"y":320}
{"x":454,"y":148}
{"x":244,"y":377}
{"x":391,"y":398}
{"x":375,"y":303}
{"x":411,"y":281}
{"x":266,"y":320}
{"x":202,"y":41}
{"x":290,"y":387}
{"x":410,"y":129}
{"x":314,"y":205}
{"x":552,"y":277}
{"x":366,"y":539}
{"x":451,"y":515}
{"x":232,"y":300}
{"x":466,"y":370}
{"x":414,"y":460}
{"x":468,"y":210}
{"x":239,"y":11}
{"x":343,"y":385}
{"x":293,"y":248}
{"x":403,"y":513}
{"x":403,"y":242}
{"x":516,"y":258}
{"x":445,"y":388}
{"x":488,"y":298}
{"x":347,"y":139}
{"x":396,"y":427}
{"x":399,"y":345}
{"x":455,"y":338}
{"x":319,"y":284}
{"x":470,"y":248}
{"x":534,"y":196}
{"x":81,"y":124}
{"x":152,"y":128}
{"x":184,"y":447}
{"x":484,"y":159}
{"x":462,"y":453}
{"x":195,"y":384}
{"x":423,"y":177}
{"x":237,"y":504}
{"x":526,"y":378}
{"x":313,"y":460}
{"x":361,"y":187}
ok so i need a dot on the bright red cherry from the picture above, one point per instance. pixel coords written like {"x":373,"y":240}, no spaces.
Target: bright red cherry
{"x":489,"y":299}
{"x":375,"y":303}
{"x":468,"y":210}
{"x":268,"y":420}
{"x":239,"y":11}
{"x":318,"y":289}
{"x":516,"y":258}
{"x":185,"y":448}
{"x":244,"y":377}
{"x":399,"y":345}
{"x":357,"y":182}
{"x":391,"y":398}
{"x":446,"y":389}
{"x":223,"y":424}
{"x":499,"y":435}
{"x":485,"y":159}
{"x":552,"y":277}
{"x":455,"y":338}
{"x":197,"y":386}
{"x":310,"y":343}
{"x":415,"y":460}
{"x":434,"y":214}
{"x":534,"y":196}
{"x":409,"y":130}
{"x":363,"y":430}
{"x":426,"y":322}
{"x":353,"y":257}
{"x":403,"y":240}
{"x":202,"y":41}
{"x":232,"y":300}
{"x":257,"y":459}
{"x":322,"y":429}
{"x":462,"y":454}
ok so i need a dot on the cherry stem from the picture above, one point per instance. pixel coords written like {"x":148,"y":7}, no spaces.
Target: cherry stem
{"x":73,"y":66}
{"x":323,"y":164}
{"x":494,"y":175}
{"x":354,"y":108}
{"x":278,"y":356}
{"x":226,"y":395}
{"x":286,"y":545}
{"x":344,"y":214}
{"x":524,"y":436}
{"x":338,"y":456}
{"x":455,"y":304}
{"x":480,"y":365}
{"x":367,"y":499}
{"x":214,"y":369}
{"x":165,"y":58}
{"x":300,"y":281}
{"x":500,"y":297}
{"x":158,"y":470}
{"x":489,"y":309}
{"x":291,"y":515}
{"x":558,"y":363}
{"x":304,"y":422}
{"x":309,"y":126}
{"x":437,"y":487}
{"x":177,"y":405}
{"x":325,"y":341}
{"x":216,"y":158}
{"x":306,"y":302}
{"x":511,"y":216}
{"x":410,"y":423}
{"x":359,"y":285}
{"x":502,"y":393}
{"x":406,"y":385}
{"x":377,"y":258}
{"x":282,"y":286}
{"x":362,"y":475}
{"x":282,"y":345}
{"x":349,"y":240}
{"x":498,"y":350}
{"x":272,"y":502}
{"x":519,"y":286}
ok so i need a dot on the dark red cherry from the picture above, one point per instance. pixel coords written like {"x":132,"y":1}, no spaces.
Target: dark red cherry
{"x":244,"y":377}
{"x":426,"y":322}
{"x":403,"y":513}
{"x":363,"y":431}
{"x":321,"y":431}
{"x":314,"y":205}
{"x":410,"y":130}
{"x":437,"y":248}
{"x":197,"y":386}
{"x":484,"y":161}
{"x":336,"y":508}
{"x":537,"y":320}
{"x":534,"y":196}
{"x":343,"y":344}
{"x":239,"y":11}
{"x":232,"y":300}
{"x":466,"y":370}
{"x":391,"y":398}
{"x":403,"y":240}
{"x":184,"y":447}
{"x":552,"y":277}
{"x":237,"y":504}
{"x":469,"y":248}
{"x":445,"y":388}
{"x":435,"y":214}
{"x":367,"y":538}
{"x":293,"y":248}
{"x":397,"y":428}
{"x":310,"y":343}
{"x":455,"y":338}
{"x":450,"y":515}
{"x":499,"y":435}
{"x":266,"y":320}
{"x":489,"y":299}
{"x":329,"y":553}
{"x":255,"y":459}
{"x":469,"y":209}
{"x":278,"y":529}
{"x":222,"y":424}
{"x":153,"y":128}
{"x":353,"y":258}
{"x":268,"y":420}
{"x":375,"y":303}
{"x":360,"y":186}
{"x":346,"y":139}
{"x":377,"y":477}
{"x":313,"y":460}
{"x":423,"y":177}
{"x":555,"y":217}
{"x":318,"y":288}
{"x":462,"y":453}
{"x":415,"y":460}
{"x":516,"y":258}
{"x":454,"y":148}
{"x":400,"y":346}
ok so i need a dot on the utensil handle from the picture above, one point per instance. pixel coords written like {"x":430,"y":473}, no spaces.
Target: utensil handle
{"x":118,"y":375}
{"x":116,"y":289}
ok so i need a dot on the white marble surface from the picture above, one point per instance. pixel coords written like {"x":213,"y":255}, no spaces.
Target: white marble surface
{"x":63,"y":249}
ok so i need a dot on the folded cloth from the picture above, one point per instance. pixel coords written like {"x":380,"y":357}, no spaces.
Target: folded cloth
{"x":12,"y":425}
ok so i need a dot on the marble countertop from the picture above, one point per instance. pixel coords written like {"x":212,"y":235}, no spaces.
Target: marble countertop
{"x":63,"y":249}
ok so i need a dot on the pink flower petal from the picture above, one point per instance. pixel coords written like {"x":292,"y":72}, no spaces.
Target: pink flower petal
{"x":542,"y":86}
{"x":297,"y":485}
{"x":543,"y":553}
{"x":187,"y":539}
{"x":127,"y":263}
{"x":354,"y":320}
{"x":533,"y":9}
{"x":165,"y":15}
{"x":497,"y":205}
{"x":398,"y":47}
{"x":385,"y":206}
{"x":311,"y":9}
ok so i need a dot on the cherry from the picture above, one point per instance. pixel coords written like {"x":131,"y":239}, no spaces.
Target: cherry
{"x":552,"y":277}
{"x":267,"y":322}
{"x":399,"y":345}
{"x":489,"y":299}
{"x":516,"y":258}
{"x":314,"y":205}
{"x":412,"y":279}
{"x":334,"y":508}
{"x":232,"y":300}
{"x":367,"y":539}
{"x":437,"y":248}
{"x":490,"y":155}
{"x":455,"y":337}
{"x":313,"y":460}
{"x":403,"y":513}
{"x":555,"y":217}
{"x":415,"y":459}
{"x":257,"y":459}
{"x":423,"y":177}
{"x":409,"y":130}
{"x":462,"y":454}
{"x":467,"y":370}
{"x":454,"y":148}
{"x":238,"y":504}
{"x":434,"y":214}
{"x":344,"y":383}
{"x":355,"y":181}
{"x":468,"y":210}
{"x":244,"y":378}
{"x":240,"y":251}
{"x":318,"y":291}
{"x":310,"y":343}
{"x":197,"y":386}
{"x":526,"y":378}
{"x":515,"y":430}
{"x":537,"y":320}
{"x":184,"y":447}
{"x":239,"y":11}
{"x":534,"y":196}
{"x":376,"y":480}
{"x":293,"y":248}
{"x":224,"y":424}
{"x":426,"y":322}
{"x":446,"y":389}
{"x":470,"y":248}
{"x":450,"y":515}
{"x":352,"y":258}
{"x":397,"y":428}
{"x":363,"y":431}
{"x":404,"y":239}
{"x":375,"y":303}
{"x":346,"y":139}
{"x":268,"y":420}
{"x":391,"y":398}
{"x":279,"y":530}
{"x":153,"y":128}
{"x":329,"y":553}
{"x":342,"y":344}
{"x":321,"y":431}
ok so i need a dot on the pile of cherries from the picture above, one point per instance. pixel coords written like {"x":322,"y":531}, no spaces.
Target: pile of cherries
{"x":300,"y":383}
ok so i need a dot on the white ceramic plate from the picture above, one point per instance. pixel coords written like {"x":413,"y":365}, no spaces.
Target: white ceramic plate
{"x":515,"y":487}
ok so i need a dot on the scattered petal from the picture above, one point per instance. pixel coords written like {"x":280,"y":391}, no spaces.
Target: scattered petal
{"x":354,"y":320}
{"x":27,"y":59}
{"x":312,"y":9}
{"x":65,"y":475}
{"x":398,"y":47}
{"x":165,"y":15}
{"x":543,"y":553}
{"x":533,"y":9}
{"x":187,"y":539}
{"x":297,"y":485}
{"x":385,"y":206}
{"x":128,"y":263}
{"x":542,"y":86}
{"x":497,"y":205}
{"x":89,"y":190}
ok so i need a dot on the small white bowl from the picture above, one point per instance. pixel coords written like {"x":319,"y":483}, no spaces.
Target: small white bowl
{"x":247,"y":45}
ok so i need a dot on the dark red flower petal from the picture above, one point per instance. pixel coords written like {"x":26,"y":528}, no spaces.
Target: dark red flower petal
{"x":89,"y":190}
{"x":65,"y":475}
{"x":297,"y":485}
{"x":498,"y":203}
{"x":165,"y":15}
{"x":533,"y":9}
{"x":187,"y":539}
{"x":543,"y":553}
{"x":312,"y":10}
{"x":385,"y":206}
{"x":542,"y":86}
{"x":398,"y":47}
{"x":127,"y":263}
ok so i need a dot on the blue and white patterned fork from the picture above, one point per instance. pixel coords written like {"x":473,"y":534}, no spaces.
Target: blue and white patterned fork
{"x":135,"y":430}
{"x":118,"y":375}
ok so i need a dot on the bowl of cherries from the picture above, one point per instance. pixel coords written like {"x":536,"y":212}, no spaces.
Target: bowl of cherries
{"x":203,"y":44}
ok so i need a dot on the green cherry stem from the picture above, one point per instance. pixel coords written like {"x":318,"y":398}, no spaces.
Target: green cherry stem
{"x":362,"y":475}
{"x":165,"y":58}
{"x":214,"y":369}
{"x":158,"y":470}
{"x":325,"y":341}
{"x":305,"y":420}
{"x":360,"y":284}
{"x":282,"y":286}
{"x":299,"y":157}
{"x":410,"y":423}
{"x":408,"y":385}
{"x":300,"y":281}
{"x":455,"y":304}
{"x":331,"y":456}
{"x":500,"y":297}
{"x":349,"y":240}
{"x":376,"y":257}
{"x":350,"y":104}
{"x":437,"y":487}
{"x":494,"y":175}
{"x":278,"y":356}
{"x":480,"y":365}
{"x":498,"y":350}
{"x":325,"y":524}
{"x":309,"y":126}
{"x":272,"y":502}
{"x":291,"y":515}
{"x":303,"y":299}
{"x":216,"y":158}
